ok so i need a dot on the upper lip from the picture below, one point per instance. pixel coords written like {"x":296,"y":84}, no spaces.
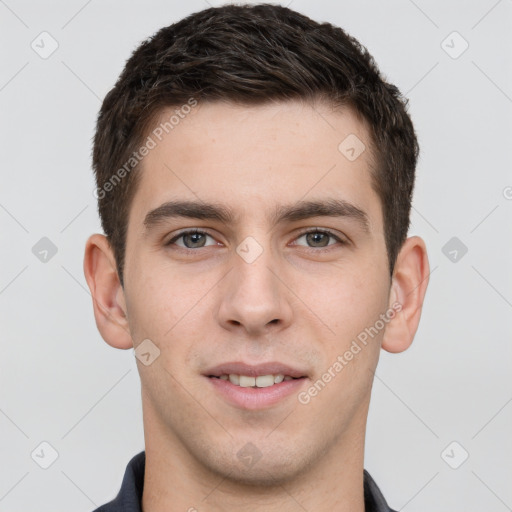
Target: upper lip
{"x":254,"y":370}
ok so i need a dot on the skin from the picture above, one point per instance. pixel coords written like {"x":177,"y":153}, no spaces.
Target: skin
{"x":297,"y":303}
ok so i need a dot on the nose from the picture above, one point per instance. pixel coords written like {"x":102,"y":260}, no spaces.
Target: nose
{"x":254,"y":298}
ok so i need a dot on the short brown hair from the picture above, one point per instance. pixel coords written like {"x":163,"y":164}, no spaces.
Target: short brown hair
{"x":251,"y":55}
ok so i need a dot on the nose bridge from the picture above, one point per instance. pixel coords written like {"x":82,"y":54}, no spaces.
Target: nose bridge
{"x":255,"y":281}
{"x":252,"y":295}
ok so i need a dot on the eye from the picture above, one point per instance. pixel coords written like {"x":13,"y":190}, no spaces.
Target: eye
{"x":194,"y":239}
{"x":319,"y":238}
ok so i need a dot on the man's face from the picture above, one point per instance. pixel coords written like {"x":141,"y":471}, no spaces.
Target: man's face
{"x":256,"y":289}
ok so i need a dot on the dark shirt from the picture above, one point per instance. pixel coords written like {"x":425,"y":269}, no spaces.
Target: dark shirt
{"x":129,"y":498}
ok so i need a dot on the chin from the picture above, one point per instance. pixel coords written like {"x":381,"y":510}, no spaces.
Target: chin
{"x":270,"y":469}
{"x":261,"y":478}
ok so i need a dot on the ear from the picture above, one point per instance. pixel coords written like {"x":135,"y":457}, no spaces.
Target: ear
{"x":107,"y":293}
{"x":408,"y":287}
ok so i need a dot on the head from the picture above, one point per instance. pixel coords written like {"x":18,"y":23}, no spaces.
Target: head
{"x":252,"y":56}
{"x":256,"y":122}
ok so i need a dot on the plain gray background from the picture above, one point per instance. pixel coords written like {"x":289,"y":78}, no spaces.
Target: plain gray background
{"x":61,"y":384}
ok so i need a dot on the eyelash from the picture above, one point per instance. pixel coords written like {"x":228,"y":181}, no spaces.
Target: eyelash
{"x":315,"y":249}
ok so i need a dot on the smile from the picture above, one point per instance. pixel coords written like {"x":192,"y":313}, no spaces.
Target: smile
{"x":260,"y":381}
{"x":256,"y":386}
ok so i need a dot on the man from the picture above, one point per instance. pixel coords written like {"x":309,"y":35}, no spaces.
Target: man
{"x":254,"y":180}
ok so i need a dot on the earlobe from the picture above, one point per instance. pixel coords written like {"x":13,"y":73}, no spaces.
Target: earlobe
{"x":107,"y":293}
{"x":408,"y":288}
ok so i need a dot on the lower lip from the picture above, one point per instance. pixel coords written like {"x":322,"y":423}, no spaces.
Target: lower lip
{"x":256,"y":398}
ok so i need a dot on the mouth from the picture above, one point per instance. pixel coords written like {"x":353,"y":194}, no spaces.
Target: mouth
{"x":255,"y":386}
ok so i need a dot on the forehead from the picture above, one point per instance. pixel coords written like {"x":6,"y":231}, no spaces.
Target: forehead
{"x":256,"y":158}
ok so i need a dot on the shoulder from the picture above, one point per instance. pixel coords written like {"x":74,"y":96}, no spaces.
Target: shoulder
{"x":373,"y":498}
{"x":129,"y":497}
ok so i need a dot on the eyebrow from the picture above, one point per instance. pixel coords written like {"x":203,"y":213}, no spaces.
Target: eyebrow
{"x":282,"y":213}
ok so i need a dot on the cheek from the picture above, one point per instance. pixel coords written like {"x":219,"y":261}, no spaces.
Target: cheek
{"x":168,"y":309}
{"x":154,"y":307}
{"x":347,"y":301}
{"x":156,"y":296}
{"x":350,"y":307}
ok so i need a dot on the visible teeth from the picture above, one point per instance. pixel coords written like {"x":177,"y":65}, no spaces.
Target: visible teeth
{"x":247,"y":382}
{"x":262,"y":381}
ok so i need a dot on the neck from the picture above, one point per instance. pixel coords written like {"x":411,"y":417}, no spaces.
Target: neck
{"x":175,"y":481}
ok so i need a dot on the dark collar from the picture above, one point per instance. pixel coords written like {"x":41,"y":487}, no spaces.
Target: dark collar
{"x":129,"y":498}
